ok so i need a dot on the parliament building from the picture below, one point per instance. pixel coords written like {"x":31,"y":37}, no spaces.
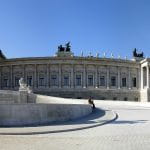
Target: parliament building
{"x":66,"y":75}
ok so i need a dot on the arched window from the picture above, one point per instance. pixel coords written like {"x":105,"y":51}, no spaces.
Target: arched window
{"x":66,"y":80}
{"x":54,"y":80}
{"x":124,"y":82}
{"x":90,"y":80}
{"x":102,"y":80}
{"x":113,"y":81}
{"x":134,"y":81}
{"x":78,"y":80}
{"x":29,"y":80}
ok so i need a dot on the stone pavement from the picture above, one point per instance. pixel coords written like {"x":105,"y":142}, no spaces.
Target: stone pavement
{"x":131,"y":131}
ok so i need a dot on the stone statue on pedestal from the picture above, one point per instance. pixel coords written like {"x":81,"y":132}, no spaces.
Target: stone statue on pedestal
{"x":22,"y":85}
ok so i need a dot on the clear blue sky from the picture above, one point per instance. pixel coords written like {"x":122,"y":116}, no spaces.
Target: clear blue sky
{"x":37,"y":27}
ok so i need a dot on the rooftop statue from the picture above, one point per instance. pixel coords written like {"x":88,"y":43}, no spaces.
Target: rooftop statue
{"x":68,"y":47}
{"x":135,"y":54}
{"x":2,"y":55}
{"x":63,"y":49}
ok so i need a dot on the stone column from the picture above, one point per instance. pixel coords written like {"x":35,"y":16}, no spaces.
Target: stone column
{"x":84,"y":77}
{"x":35,"y":76}
{"x":59,"y":82}
{"x":47,"y":75}
{"x":96,"y":77}
{"x":108,"y":77}
{"x":23,"y":73}
{"x":138,"y":78}
{"x":147,"y":67}
{"x":72,"y":77}
{"x":11,"y":77}
{"x":129,"y":78}
{"x":142,"y":78}
{"x":118,"y":77}
{"x":0,"y":77}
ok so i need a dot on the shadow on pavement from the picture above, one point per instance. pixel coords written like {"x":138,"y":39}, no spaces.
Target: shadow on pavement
{"x":90,"y":119}
{"x":129,"y":122}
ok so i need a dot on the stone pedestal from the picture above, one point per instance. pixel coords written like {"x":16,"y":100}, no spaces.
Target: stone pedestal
{"x":23,"y":96}
{"x":145,"y":95}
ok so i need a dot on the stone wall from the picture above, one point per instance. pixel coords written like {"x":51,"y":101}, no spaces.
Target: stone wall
{"x":39,"y":114}
{"x":124,"y":95}
{"x":8,"y":97}
{"x":12,"y":97}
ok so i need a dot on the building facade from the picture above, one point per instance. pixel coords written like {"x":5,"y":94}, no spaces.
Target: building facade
{"x":71,"y":76}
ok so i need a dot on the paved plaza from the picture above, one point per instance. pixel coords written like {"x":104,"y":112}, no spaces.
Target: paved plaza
{"x":131,"y":131}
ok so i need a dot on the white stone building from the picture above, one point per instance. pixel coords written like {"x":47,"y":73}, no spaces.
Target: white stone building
{"x":66,"y":75}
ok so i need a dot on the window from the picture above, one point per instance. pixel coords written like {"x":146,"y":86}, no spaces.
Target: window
{"x":78,"y":80}
{"x":5,"y":82}
{"x":113,"y":81}
{"x":41,"y":81}
{"x":102,"y":80}
{"x":124,"y":82}
{"x":134,"y":82}
{"x":54,"y":80}
{"x":29,"y":80}
{"x":66,"y":80}
{"x":90,"y":80}
{"x":17,"y":81}
{"x":125,"y":98}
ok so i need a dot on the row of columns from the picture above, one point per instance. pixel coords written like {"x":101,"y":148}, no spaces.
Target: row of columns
{"x":72,"y":76}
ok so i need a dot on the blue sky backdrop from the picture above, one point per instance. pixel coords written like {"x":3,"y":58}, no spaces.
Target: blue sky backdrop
{"x":37,"y":27}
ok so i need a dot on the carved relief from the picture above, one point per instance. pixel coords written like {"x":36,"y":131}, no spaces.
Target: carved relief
{"x":66,"y":68}
{"x":113,"y":70}
{"x":78,"y":68}
{"x":102,"y":69}
{"x":91,"y":68}
{"x":42,"y":68}
{"x":6,"y":69}
{"x":54,"y":68}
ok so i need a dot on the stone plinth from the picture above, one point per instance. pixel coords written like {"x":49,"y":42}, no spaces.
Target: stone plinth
{"x":145,"y":95}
